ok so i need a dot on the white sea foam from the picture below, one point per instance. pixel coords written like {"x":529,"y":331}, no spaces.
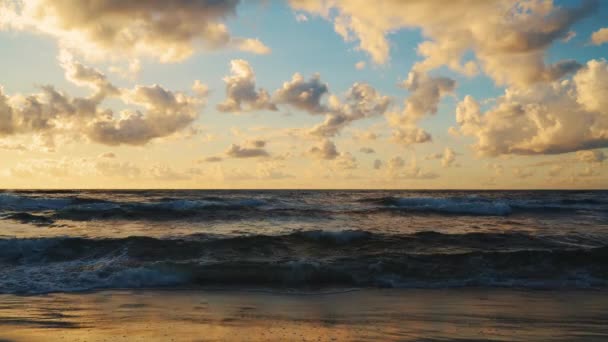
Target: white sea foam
{"x":474,"y":206}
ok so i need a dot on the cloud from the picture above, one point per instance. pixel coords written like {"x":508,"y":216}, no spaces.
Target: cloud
{"x":556,"y":170}
{"x":251,"y":149}
{"x":589,"y":171}
{"x":117,"y":169}
{"x":13,"y":147}
{"x":522,"y":173}
{"x":367,"y":150}
{"x":326,"y":149}
{"x":52,"y":113}
{"x":302,"y":94}
{"x":591,"y":85}
{"x":377,"y":164}
{"x":360,"y":65}
{"x":301,"y":18}
{"x":594,"y":156}
{"x":271,"y":171}
{"x":569,"y":36}
{"x":200,"y":89}
{"x":448,"y":157}
{"x":600,"y":36}
{"x":130,"y":72}
{"x":212,"y":159}
{"x":408,"y":135}
{"x":241,"y":90}
{"x":396,"y":168}
{"x":507,"y":39}
{"x":164,"y":172}
{"x":44,"y":112}
{"x":425,"y":93}
{"x":166,"y":113}
{"x":546,"y":118}
{"x":361,"y":101}
{"x":346,"y":161}
{"x":75,"y":167}
{"x":497,"y":168}
{"x":365,"y":135}
{"x":82,"y":75}
{"x":170,"y":30}
{"x":108,"y":155}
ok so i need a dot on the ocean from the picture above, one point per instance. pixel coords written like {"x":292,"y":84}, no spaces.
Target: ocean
{"x":301,"y":241}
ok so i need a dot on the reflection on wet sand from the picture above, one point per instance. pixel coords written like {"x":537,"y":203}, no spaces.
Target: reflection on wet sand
{"x":367,"y":315}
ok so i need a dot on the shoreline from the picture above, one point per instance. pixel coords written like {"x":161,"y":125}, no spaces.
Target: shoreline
{"x":256,"y":315}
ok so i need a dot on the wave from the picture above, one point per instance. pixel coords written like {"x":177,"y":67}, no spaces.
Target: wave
{"x":476,"y":205}
{"x":448,"y":205}
{"x":20,"y":208}
{"x":304,"y":259}
{"x":46,"y":210}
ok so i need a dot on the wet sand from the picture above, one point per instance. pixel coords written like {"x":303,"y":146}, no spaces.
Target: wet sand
{"x":367,"y":315}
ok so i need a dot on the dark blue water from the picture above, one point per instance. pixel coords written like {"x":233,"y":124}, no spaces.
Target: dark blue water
{"x":82,"y":240}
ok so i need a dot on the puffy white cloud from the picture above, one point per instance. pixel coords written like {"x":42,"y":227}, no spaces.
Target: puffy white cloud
{"x":362,"y":101}
{"x":600,"y":36}
{"x":449,"y":157}
{"x":251,"y":149}
{"x":365,"y":135}
{"x":241,"y":90}
{"x":166,"y":113}
{"x":302,"y":94}
{"x":326,"y":149}
{"x":591,"y":86}
{"x":409,"y":135}
{"x":425,"y":93}
{"x":508,"y":38}
{"x":170,"y":30}
{"x":301,"y":18}
{"x":546,"y":118}
{"x":83,"y":75}
{"x":52,"y":113}
{"x":200,"y":89}
{"x":44,"y":112}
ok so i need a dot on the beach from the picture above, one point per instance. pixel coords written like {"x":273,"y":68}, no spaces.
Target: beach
{"x":359,"y":315}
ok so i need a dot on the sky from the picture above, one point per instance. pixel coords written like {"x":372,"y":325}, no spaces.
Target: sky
{"x":392,"y":94}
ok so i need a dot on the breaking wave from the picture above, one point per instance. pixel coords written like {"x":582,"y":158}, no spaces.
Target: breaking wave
{"x":304,"y":259}
{"x":476,"y":205}
{"x":38,"y":209}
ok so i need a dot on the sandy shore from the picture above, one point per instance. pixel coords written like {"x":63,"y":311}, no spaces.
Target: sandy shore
{"x":367,"y":315}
